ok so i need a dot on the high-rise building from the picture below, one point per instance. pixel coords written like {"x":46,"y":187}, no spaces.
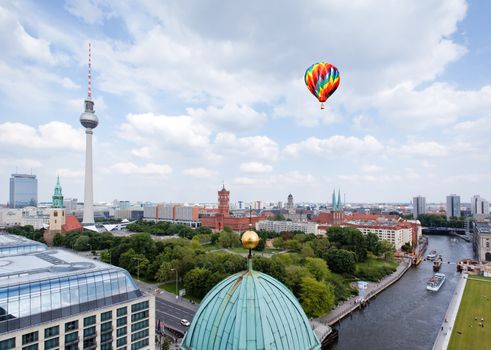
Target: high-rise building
{"x":23,"y":191}
{"x":453,"y":206}
{"x":479,"y":206}
{"x":89,"y":121}
{"x":53,"y":299}
{"x":419,"y":206}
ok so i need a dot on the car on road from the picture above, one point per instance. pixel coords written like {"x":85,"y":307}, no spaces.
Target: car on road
{"x":185,"y":322}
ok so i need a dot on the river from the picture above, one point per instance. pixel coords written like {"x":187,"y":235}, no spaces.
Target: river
{"x":406,"y":315}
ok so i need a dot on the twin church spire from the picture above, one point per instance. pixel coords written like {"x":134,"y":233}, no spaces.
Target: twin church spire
{"x":336,"y":204}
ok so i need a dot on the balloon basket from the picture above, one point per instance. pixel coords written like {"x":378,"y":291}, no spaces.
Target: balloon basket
{"x":322,"y":106}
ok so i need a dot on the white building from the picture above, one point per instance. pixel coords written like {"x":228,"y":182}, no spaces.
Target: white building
{"x":482,"y":241}
{"x":419,"y":206}
{"x":479,"y":206}
{"x":36,"y":217}
{"x":390,"y":231}
{"x":54,"y":299}
{"x":453,"y":206}
{"x":288,"y":226}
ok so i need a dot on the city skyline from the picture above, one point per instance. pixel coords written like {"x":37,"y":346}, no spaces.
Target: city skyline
{"x":188,"y":100}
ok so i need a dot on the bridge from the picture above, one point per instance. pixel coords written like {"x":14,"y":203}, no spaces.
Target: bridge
{"x":450,"y":231}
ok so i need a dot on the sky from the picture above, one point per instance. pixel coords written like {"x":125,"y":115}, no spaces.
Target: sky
{"x":191,"y":95}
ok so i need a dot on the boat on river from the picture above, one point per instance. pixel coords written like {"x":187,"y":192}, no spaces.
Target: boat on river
{"x":435,"y":282}
{"x":437,"y":264}
{"x":432,"y":255}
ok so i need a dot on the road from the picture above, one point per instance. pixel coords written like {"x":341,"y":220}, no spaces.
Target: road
{"x":171,"y":313}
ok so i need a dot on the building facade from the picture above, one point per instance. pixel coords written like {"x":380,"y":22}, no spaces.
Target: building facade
{"x":453,"y":206}
{"x":479,"y":206}
{"x":393,"y":232}
{"x":288,"y":226}
{"x":482,"y":241}
{"x":23,"y":191}
{"x":419,"y":206}
{"x":54,"y":299}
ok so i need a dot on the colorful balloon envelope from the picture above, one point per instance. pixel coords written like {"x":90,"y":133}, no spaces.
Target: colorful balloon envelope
{"x":322,"y":79}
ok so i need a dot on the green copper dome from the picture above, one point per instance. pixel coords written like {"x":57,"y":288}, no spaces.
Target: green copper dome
{"x":250,"y":310}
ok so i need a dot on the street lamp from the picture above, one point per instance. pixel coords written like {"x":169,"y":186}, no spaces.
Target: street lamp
{"x":177,"y":290}
{"x":138,"y":267}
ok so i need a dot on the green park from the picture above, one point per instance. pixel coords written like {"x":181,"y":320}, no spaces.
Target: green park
{"x":320,"y":271}
{"x":472,"y":328}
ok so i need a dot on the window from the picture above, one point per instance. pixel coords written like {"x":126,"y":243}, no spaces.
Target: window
{"x":139,"y":335}
{"x":140,"y":306}
{"x":89,"y":331}
{"x":71,"y":337}
{"x":121,"y":342}
{"x":7,"y":344}
{"x":106,"y":326}
{"x":139,"y":316}
{"x":89,"y":321}
{"x":31,"y":347}
{"x":121,"y":311}
{"x":106,"y":337}
{"x":30,"y":338}
{"x":106,"y":346}
{"x":139,"y":325}
{"x":91,"y":342}
{"x":51,"y":344}
{"x":121,"y":321}
{"x":71,"y":347}
{"x":121,"y":331}
{"x":70,"y":326}
{"x":51,"y":332}
{"x":106,"y":316}
{"x":139,"y":344}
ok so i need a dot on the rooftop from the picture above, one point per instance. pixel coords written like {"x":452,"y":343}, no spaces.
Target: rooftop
{"x":17,"y":245}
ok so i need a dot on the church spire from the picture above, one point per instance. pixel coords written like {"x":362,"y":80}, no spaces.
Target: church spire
{"x":334,"y":206}
{"x":340,"y":205}
{"x":57,"y":195}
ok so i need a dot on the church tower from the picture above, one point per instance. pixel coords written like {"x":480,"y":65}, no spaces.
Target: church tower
{"x":57,"y":214}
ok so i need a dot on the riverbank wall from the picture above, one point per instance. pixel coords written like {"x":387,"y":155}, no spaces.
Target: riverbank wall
{"x":352,"y":304}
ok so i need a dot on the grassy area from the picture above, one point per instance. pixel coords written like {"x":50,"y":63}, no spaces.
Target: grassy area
{"x":374,"y":269}
{"x":476,"y":303}
{"x":171,"y":288}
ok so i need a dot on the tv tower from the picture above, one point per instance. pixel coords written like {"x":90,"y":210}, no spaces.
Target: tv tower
{"x":89,"y":121}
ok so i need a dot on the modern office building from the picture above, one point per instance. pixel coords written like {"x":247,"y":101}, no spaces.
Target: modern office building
{"x":53,"y":299}
{"x":453,"y":206}
{"x":479,"y":206}
{"x":419,"y":206}
{"x":23,"y":191}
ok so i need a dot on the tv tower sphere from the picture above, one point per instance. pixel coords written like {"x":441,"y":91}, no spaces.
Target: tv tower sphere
{"x":88,"y":119}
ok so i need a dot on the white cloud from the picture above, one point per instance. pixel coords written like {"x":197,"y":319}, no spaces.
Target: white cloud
{"x":129,"y":168}
{"x":53,"y":135}
{"x":256,"y":147}
{"x":370,"y":168}
{"x":335,"y":146}
{"x":199,"y":172}
{"x":423,"y":149}
{"x":255,"y":167}
{"x":232,"y":116}
{"x":176,"y":132}
{"x":70,"y":173}
{"x":143,"y":152}
{"x":280,"y":180}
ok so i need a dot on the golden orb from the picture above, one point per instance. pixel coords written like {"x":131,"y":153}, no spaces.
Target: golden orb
{"x":250,"y":239}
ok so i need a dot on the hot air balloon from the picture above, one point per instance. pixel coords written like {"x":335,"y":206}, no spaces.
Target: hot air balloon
{"x":322,"y":79}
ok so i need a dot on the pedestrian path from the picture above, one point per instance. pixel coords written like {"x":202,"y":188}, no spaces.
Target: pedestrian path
{"x":443,"y":337}
{"x":373,"y":288}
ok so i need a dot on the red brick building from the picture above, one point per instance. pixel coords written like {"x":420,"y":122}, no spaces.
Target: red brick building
{"x":217,"y":220}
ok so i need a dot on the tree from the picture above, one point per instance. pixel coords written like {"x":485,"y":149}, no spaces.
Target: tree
{"x":165,"y":272}
{"x":386,"y":249}
{"x":341,"y":260}
{"x":317,"y":298}
{"x":106,"y":256}
{"x":166,"y":344}
{"x":278,"y":243}
{"x":82,"y":243}
{"x":58,"y":240}
{"x":318,"y":268}
{"x":229,"y":239}
{"x":372,"y":243}
{"x":197,"y":282}
{"x":320,"y":246}
{"x":293,"y":245}
{"x":307,"y":251}
{"x":293,"y":277}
